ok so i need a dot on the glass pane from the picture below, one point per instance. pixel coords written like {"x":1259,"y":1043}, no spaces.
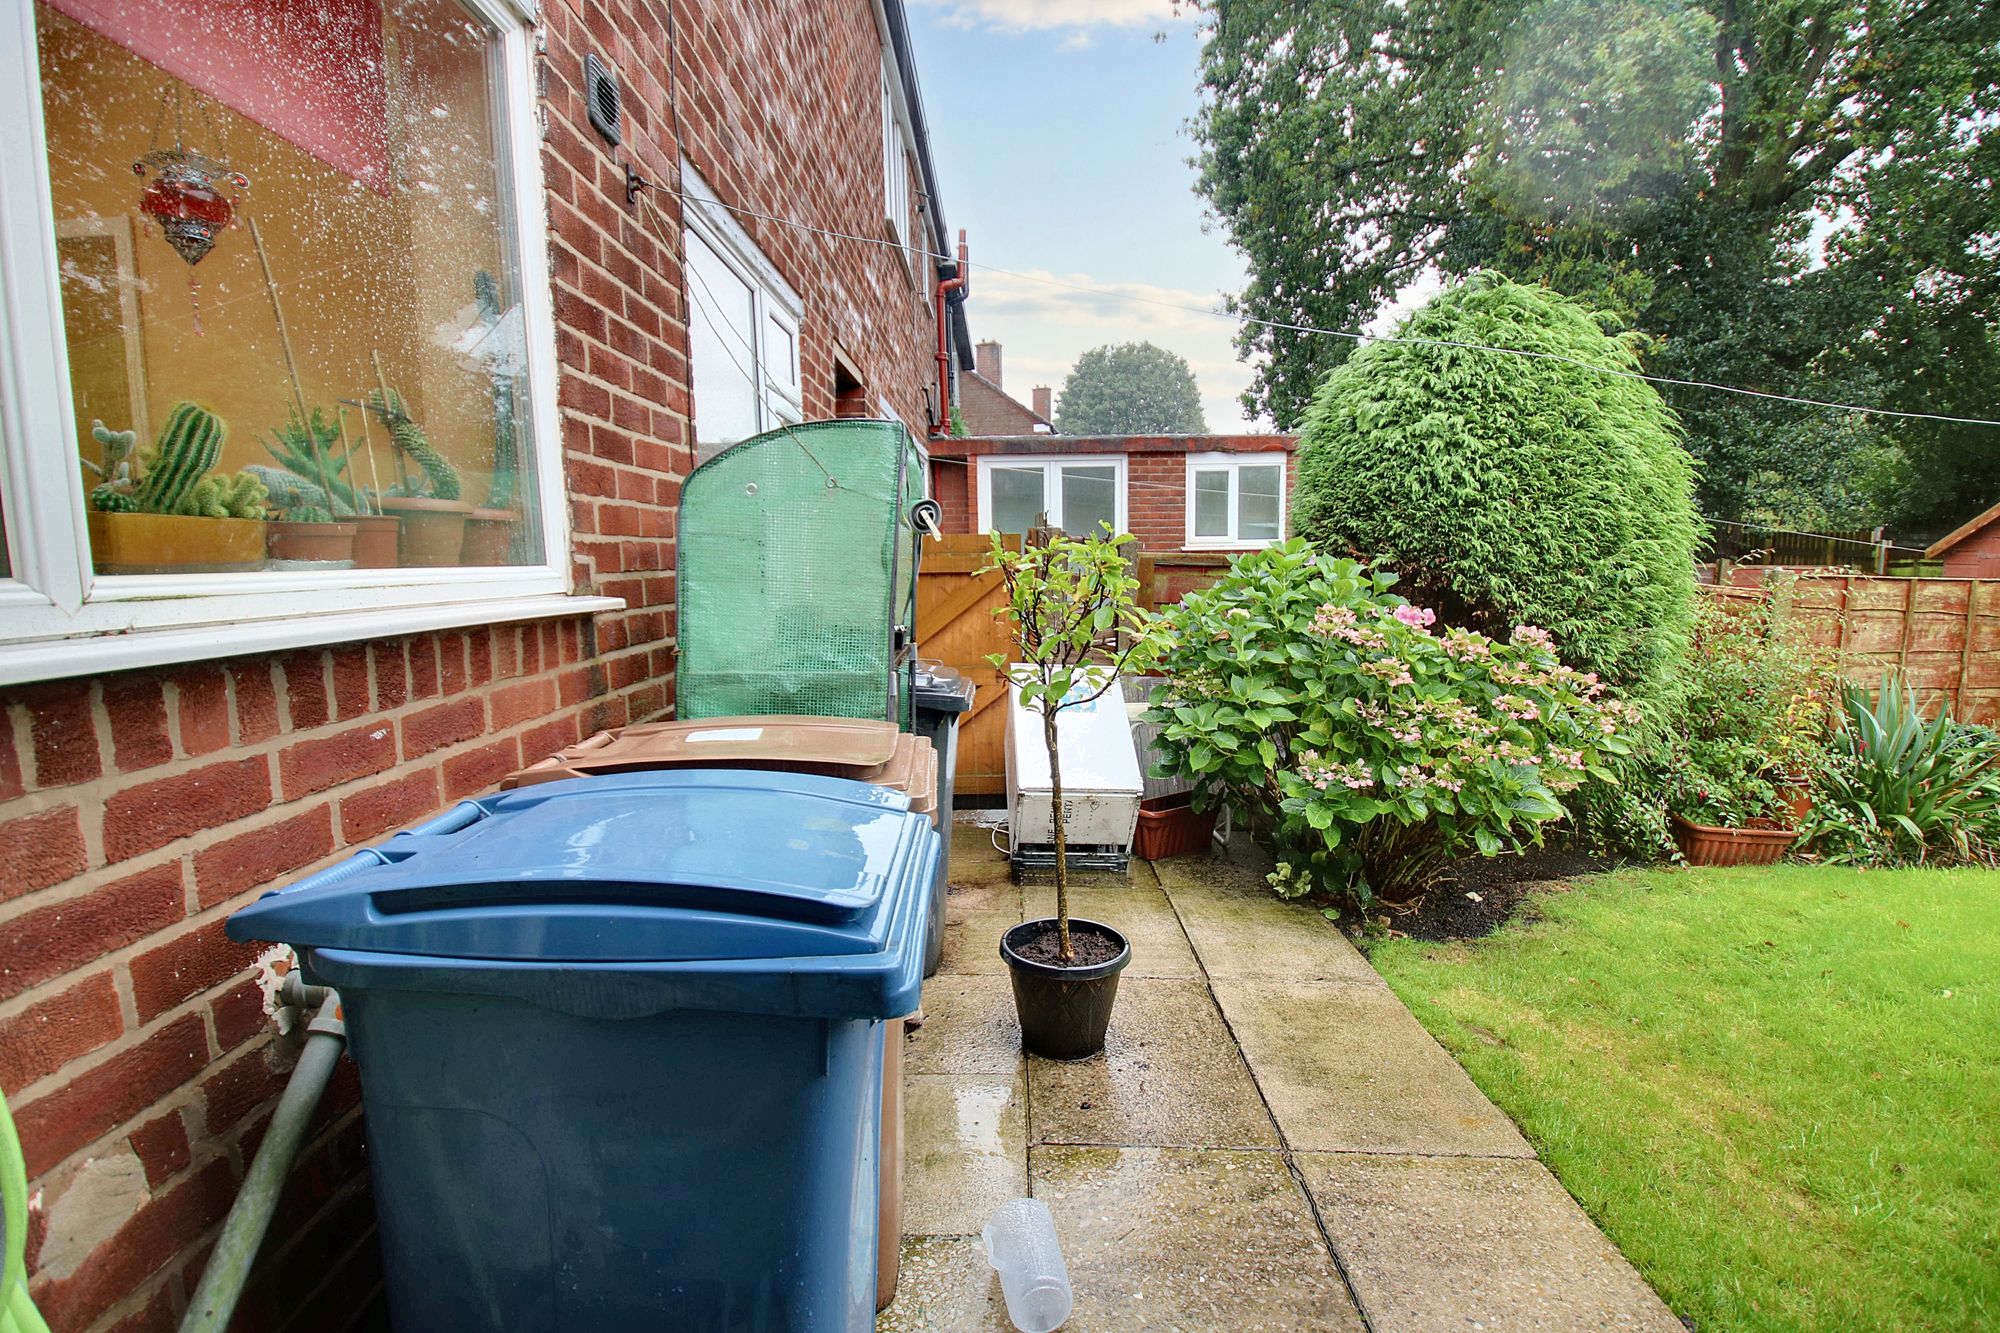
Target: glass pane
{"x":782,"y":351}
{"x":722,"y":321}
{"x":1211,"y":503}
{"x":294,"y":335}
{"x":1257,"y":490}
{"x":1017,"y":499}
{"x":1089,"y":499}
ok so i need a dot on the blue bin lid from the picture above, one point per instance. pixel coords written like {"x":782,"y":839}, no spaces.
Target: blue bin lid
{"x":673,"y":866}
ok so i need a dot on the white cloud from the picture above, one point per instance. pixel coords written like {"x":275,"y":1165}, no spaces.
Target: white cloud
{"x":1043,"y":15}
{"x":1043,"y":328}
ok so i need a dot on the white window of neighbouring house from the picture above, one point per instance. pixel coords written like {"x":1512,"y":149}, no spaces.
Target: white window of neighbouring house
{"x":280,"y":357}
{"x":743,"y":328}
{"x":1078,"y":495}
{"x":1235,"y":500}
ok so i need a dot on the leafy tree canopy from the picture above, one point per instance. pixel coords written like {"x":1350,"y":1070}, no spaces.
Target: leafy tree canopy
{"x":1791,"y":195}
{"x":1511,"y":490}
{"x":1130,"y":389}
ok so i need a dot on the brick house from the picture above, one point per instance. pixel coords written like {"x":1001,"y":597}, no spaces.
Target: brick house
{"x":1971,"y":551}
{"x":986,"y":408}
{"x":1175,"y":493}
{"x":436,"y":235}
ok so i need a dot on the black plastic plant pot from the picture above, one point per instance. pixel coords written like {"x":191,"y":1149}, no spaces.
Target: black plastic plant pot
{"x":1064,"y":1011}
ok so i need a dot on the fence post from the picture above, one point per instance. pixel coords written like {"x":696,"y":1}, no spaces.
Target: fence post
{"x":1965,"y":651}
{"x":1909,"y":610}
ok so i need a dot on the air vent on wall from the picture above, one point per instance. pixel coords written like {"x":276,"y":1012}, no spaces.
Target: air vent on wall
{"x":600,"y":95}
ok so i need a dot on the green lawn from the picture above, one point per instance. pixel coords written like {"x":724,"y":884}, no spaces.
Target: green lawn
{"x":1777,"y":1090}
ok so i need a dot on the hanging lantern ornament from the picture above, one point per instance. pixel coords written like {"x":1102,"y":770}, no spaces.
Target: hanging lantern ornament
{"x":183,"y":200}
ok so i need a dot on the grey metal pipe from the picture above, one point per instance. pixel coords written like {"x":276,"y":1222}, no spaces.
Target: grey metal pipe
{"x":249,"y":1218}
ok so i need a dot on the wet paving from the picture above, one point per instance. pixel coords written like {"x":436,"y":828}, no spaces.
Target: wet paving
{"x":1269,"y":1141}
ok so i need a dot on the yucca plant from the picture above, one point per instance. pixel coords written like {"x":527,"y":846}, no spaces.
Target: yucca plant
{"x":1904,"y":790}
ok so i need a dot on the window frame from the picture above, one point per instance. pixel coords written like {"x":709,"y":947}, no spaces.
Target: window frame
{"x":773,"y":300}
{"x":1051,"y":466}
{"x":58,"y":618}
{"x":1233,"y":464}
{"x":896,"y":148}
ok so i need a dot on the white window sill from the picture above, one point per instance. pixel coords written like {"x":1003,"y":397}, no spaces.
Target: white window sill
{"x":54,"y":658}
{"x":1218,"y":545}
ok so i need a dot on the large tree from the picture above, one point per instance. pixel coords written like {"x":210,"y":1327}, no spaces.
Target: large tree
{"x":1130,"y":389}
{"x":1792,"y":195}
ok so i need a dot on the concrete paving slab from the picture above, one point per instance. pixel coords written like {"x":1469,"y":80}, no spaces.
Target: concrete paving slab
{"x":1241,"y":929}
{"x":946,"y":1287}
{"x":972,"y":941}
{"x":1349,"y":1069}
{"x":1159,"y":945}
{"x":969,"y":1028}
{"x":965,"y":1150}
{"x":1169,"y":1077}
{"x":1462,"y":1243}
{"x":1165,"y":1238}
{"x":974,"y":858}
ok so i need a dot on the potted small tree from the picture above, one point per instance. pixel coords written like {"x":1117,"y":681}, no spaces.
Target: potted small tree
{"x":1075,"y":626}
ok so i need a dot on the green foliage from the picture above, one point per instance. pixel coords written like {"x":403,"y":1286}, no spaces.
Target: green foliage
{"x":1368,"y":751}
{"x":440,"y":477}
{"x":188,"y":446}
{"x":1755,"y":714}
{"x":114,"y":494}
{"x":1770,"y":1087}
{"x":1903,"y":791}
{"x":1075,"y":624}
{"x":1130,"y":389}
{"x":240,"y":495}
{"x":1508,"y":490}
{"x":291,"y":496}
{"x":1673,"y":161}
{"x":307,"y":450}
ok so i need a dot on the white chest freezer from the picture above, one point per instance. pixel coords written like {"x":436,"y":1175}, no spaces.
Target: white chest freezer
{"x":1100,"y":772}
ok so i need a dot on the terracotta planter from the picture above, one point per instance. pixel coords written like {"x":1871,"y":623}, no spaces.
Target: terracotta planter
{"x":433,"y":530}
{"x":1171,"y":826}
{"x":316,"y":542}
{"x":489,"y":533}
{"x":376,"y":537}
{"x":174,"y":544}
{"x":1797,"y":800}
{"x":1706,"y":845}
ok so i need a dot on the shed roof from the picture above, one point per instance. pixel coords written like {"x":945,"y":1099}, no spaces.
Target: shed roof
{"x":1959,"y":534}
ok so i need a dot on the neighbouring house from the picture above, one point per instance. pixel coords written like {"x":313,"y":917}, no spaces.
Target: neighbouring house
{"x":1175,"y":493}
{"x":1971,"y":551}
{"x":535,"y":259}
{"x":986,"y":408}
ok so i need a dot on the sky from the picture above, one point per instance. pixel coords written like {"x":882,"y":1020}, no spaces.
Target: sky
{"x":1059,"y":132}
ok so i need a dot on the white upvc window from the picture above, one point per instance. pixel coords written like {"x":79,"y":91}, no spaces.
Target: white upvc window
{"x":895,"y":159}
{"x":743,"y":328}
{"x":1078,"y":495}
{"x":1235,"y":501}
{"x":391,"y":234}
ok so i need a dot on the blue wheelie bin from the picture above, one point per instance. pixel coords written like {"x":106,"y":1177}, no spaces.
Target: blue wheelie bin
{"x":621,"y":1046}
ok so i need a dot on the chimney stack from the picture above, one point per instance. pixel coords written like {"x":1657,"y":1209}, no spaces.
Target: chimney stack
{"x":1045,"y":407}
{"x":986,"y":360}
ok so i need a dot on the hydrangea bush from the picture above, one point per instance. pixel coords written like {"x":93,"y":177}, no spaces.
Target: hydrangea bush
{"x":1370,"y":751}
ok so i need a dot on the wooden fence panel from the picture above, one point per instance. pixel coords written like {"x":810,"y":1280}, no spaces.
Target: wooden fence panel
{"x":956,"y":625}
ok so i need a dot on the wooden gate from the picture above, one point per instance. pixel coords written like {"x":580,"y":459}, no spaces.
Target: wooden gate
{"x":956,"y":626}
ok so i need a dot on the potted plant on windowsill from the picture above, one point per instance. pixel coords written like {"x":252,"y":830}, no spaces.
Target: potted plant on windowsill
{"x":1074,"y":626}
{"x":158,"y":510}
{"x":313,"y":503}
{"x":433,"y":514}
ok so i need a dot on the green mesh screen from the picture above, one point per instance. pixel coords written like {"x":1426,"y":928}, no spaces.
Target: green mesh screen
{"x":794,"y":554}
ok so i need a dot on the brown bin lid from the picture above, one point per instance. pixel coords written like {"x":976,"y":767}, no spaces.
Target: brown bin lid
{"x":845,"y":747}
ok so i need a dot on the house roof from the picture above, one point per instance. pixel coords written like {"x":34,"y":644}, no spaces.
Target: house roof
{"x":1953,"y":538}
{"x":990,"y":410}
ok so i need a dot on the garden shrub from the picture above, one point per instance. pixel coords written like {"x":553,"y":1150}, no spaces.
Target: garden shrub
{"x":1369,"y":751}
{"x":1508,"y":489}
{"x":1753,"y":716}
{"x":1903,"y":791}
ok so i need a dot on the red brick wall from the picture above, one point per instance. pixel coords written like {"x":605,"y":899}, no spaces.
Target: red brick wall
{"x":1155,"y":474}
{"x":138,"y":809}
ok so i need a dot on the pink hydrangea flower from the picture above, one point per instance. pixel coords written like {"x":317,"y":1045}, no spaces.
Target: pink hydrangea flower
{"x":1416,"y":617}
{"x":1532,"y":636}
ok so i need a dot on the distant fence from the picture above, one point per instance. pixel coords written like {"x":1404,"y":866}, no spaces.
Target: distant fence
{"x":1751,"y":544}
{"x":1942,"y":635}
